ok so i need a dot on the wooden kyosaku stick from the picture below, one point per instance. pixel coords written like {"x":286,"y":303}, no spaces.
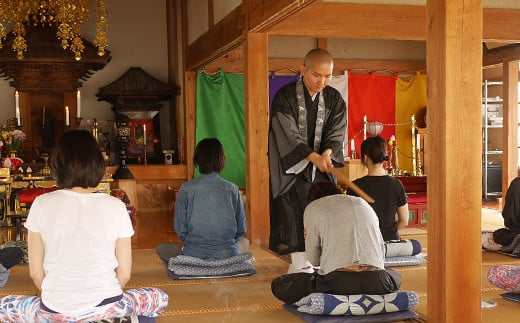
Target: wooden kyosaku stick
{"x":356,"y":189}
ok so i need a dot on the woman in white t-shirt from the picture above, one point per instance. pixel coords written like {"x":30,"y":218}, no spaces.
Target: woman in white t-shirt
{"x":79,"y":246}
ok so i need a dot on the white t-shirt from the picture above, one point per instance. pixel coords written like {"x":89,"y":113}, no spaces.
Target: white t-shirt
{"x":342,"y":230}
{"x":79,"y":233}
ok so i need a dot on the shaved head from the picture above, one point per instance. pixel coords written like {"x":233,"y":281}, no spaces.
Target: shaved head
{"x":317,"y":56}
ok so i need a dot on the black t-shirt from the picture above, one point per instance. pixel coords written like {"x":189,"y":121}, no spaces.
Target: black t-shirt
{"x":388,"y":193}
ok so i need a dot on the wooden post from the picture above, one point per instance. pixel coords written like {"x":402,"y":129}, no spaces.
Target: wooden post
{"x":510,"y":121}
{"x":257,"y":128}
{"x":190,"y":88}
{"x":454,"y":64}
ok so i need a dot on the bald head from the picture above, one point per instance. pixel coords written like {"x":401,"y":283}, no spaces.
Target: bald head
{"x":317,"y":56}
{"x":317,"y":70}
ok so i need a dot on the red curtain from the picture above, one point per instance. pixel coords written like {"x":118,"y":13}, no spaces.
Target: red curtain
{"x":373,"y":96}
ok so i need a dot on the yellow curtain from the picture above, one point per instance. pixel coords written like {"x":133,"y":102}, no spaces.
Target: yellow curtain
{"x":410,"y":96}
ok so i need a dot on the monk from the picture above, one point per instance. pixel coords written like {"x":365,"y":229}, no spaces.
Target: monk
{"x":306,"y":131}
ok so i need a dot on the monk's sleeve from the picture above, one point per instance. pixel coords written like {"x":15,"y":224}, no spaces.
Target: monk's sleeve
{"x":511,"y":211}
{"x":334,"y":132}
{"x":292,"y":148}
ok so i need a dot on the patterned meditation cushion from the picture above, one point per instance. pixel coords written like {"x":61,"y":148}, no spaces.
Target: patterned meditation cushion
{"x":506,"y":277}
{"x":404,"y":261}
{"x":362,"y":304}
{"x":187,"y":267}
{"x":399,"y":248}
{"x":403,"y":253}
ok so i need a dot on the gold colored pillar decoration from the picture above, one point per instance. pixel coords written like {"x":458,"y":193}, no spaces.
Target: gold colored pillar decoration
{"x":418,"y":169}
{"x":414,"y":155}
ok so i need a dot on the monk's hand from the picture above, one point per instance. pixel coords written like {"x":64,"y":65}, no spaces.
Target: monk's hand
{"x":322,"y":162}
{"x":327,"y":154}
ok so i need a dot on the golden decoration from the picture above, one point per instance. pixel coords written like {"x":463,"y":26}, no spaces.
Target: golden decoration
{"x":67,"y":15}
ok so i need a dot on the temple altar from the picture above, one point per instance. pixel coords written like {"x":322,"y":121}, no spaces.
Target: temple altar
{"x":153,"y":188}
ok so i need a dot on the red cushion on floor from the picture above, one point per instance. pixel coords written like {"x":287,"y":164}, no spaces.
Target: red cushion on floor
{"x":28,"y":195}
{"x":416,"y":198}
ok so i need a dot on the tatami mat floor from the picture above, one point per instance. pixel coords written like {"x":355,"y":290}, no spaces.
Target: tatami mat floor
{"x":249,"y":299}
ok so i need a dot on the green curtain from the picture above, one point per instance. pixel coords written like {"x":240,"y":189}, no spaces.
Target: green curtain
{"x":220,"y":114}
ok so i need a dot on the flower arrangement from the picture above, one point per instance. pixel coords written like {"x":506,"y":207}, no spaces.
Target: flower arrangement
{"x":11,"y":140}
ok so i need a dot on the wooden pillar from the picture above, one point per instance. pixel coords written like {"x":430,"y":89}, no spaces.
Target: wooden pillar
{"x":510,"y":121}
{"x":257,"y":128}
{"x":454,"y":64}
{"x":190,"y":88}
{"x":174,"y":112}
{"x":322,"y":43}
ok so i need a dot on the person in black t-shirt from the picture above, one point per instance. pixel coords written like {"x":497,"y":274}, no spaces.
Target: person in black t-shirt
{"x":388,"y":192}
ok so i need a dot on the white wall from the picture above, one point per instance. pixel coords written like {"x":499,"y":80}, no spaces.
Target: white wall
{"x":355,"y":49}
{"x":222,"y":8}
{"x":197,"y":12}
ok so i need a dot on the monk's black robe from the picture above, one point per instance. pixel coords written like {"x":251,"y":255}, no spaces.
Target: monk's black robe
{"x":511,"y":215}
{"x":289,"y":148}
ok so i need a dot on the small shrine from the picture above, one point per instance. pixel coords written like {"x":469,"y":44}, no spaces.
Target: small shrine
{"x":138,"y":95}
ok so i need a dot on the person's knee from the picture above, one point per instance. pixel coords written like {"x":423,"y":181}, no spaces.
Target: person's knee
{"x":292,"y":287}
{"x":394,"y":278}
{"x":280,"y":288}
{"x":10,"y":256}
{"x":166,"y":250}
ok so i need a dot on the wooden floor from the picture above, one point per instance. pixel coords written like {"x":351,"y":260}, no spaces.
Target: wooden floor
{"x":153,"y":228}
{"x":249,"y":299}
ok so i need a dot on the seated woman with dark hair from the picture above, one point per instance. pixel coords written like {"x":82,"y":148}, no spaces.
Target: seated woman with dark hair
{"x":342,"y":237}
{"x":209,"y":213}
{"x":80,"y":252}
{"x":388,"y":192}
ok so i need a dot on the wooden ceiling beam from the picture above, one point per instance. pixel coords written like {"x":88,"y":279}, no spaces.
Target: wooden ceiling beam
{"x":263,"y":14}
{"x":221,"y":38}
{"x":355,"y":20}
{"x":289,"y":66}
{"x":376,"y":21}
{"x":344,"y":20}
{"x":228,"y":33}
{"x":500,"y":55}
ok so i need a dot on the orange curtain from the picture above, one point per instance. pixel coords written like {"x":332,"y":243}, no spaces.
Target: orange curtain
{"x":410,"y":97}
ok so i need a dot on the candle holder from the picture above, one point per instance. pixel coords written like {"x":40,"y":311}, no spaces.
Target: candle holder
{"x":95,"y":130}
{"x":353,"y":154}
{"x":12,"y":124}
{"x":396,"y":159}
{"x":123,"y":132}
{"x":46,"y":170}
{"x":145,"y":156}
{"x":78,"y":122}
